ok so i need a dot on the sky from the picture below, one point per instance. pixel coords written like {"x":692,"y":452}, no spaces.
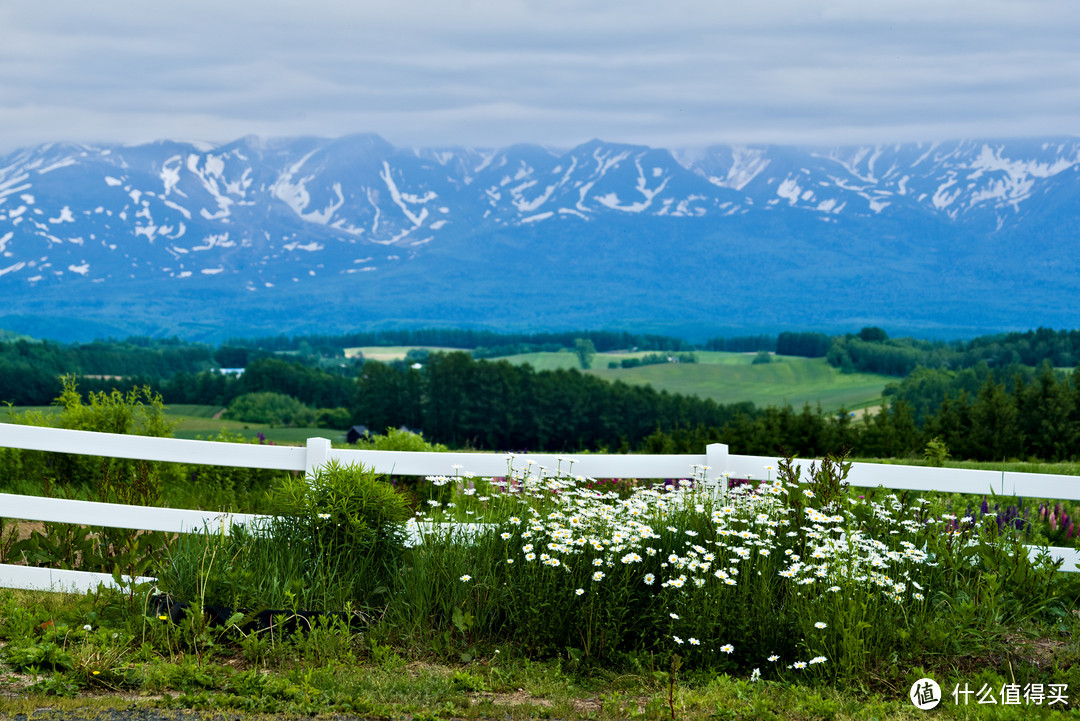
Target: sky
{"x":490,"y":73}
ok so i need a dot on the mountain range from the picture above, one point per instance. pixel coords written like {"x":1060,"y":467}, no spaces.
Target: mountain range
{"x":308,"y":235}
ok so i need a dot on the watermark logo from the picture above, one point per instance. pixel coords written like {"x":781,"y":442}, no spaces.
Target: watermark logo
{"x":925,"y":694}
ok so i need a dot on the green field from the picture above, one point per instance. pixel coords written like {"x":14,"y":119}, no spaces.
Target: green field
{"x":391,"y":352}
{"x":198,"y":422}
{"x":732,"y":377}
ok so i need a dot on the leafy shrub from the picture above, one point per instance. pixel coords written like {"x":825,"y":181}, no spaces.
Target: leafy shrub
{"x":336,"y":541}
{"x":397,"y":439}
{"x":140,"y":412}
{"x":276,"y":409}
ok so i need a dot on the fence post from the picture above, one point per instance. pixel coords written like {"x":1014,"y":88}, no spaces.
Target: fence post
{"x":716,"y":458}
{"x":318,"y":453}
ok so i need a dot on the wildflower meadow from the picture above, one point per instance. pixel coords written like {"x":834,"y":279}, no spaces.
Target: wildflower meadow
{"x":785,"y":577}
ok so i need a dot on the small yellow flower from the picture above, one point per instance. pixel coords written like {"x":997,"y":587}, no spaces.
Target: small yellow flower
{"x":163,"y":618}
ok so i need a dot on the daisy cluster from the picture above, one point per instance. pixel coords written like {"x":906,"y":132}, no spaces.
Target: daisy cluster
{"x":687,"y":539}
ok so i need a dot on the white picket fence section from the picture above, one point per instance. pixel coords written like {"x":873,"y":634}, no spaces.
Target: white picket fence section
{"x":717,"y":460}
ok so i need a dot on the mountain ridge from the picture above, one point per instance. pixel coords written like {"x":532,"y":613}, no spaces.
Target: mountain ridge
{"x":958,"y":237}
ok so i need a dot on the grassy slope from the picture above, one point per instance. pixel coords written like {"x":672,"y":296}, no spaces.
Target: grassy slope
{"x":731,"y":377}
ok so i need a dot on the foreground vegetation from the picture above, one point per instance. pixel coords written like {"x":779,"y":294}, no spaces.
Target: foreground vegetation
{"x":560,"y":601}
{"x":536,"y":593}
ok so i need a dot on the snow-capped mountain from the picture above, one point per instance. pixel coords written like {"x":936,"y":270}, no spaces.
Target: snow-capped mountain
{"x":481,"y":236}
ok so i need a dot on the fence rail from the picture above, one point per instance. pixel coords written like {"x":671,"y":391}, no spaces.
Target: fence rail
{"x":717,"y":463}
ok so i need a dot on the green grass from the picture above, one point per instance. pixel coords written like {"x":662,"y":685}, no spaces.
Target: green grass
{"x":6,"y":411}
{"x":550,"y":361}
{"x":733,"y":378}
{"x":391,"y":352}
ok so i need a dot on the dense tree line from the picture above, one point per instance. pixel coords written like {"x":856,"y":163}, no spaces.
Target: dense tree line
{"x":742,"y":344}
{"x":472,"y":339}
{"x":978,"y":413}
{"x":872,"y":351}
{"x":460,"y":401}
{"x":30,"y":371}
{"x":652,"y":359}
{"x":981,"y":398}
{"x":807,"y":345}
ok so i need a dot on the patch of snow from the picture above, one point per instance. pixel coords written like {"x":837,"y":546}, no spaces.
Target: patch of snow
{"x":398,"y":198}
{"x":323,"y":216}
{"x":438,"y":224}
{"x":176,"y":206}
{"x":213,"y":271}
{"x":13,"y":268}
{"x":184,"y":274}
{"x":170,"y":173}
{"x":149,"y":230}
{"x":215,"y":165}
{"x":80,"y":269}
{"x":240,"y":187}
{"x":219,"y":240}
{"x":789,"y":189}
{"x":5,"y":239}
{"x":826,"y":206}
{"x":942,"y":199}
{"x":528,"y":206}
{"x":112,"y":182}
{"x":27,"y":198}
{"x":374,"y":204}
{"x":538,"y":217}
{"x":65,"y":216}
{"x":746,"y":164}
{"x":582,"y":192}
{"x":571,"y":211}
{"x":309,"y":247}
{"x":877,"y":205}
{"x":606,"y":161}
{"x":57,"y":165}
{"x":611,"y":201}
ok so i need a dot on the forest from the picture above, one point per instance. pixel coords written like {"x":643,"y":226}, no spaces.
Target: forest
{"x":991,"y":398}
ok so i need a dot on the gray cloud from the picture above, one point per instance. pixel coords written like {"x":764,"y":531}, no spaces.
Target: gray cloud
{"x":493,"y":72}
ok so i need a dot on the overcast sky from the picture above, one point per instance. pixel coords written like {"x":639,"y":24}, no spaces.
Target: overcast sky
{"x":670,"y":73}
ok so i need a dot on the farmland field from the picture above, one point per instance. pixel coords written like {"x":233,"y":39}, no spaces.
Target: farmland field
{"x":732,"y":377}
{"x":390,"y":352}
{"x":195,"y":421}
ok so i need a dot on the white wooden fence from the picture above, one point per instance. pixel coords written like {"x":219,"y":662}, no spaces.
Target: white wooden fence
{"x":717,"y":460}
